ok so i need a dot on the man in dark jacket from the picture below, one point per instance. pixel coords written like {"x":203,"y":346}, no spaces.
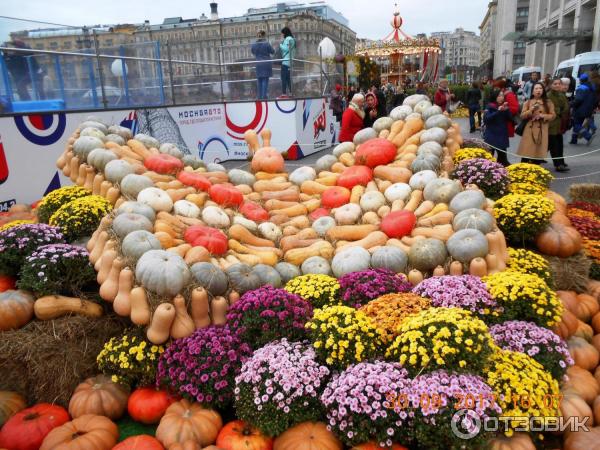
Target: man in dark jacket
{"x":583,"y":105}
{"x":263,"y":51}
{"x":474,"y":105}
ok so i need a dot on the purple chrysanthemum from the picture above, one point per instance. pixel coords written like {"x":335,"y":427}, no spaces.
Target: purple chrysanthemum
{"x":359,"y":288}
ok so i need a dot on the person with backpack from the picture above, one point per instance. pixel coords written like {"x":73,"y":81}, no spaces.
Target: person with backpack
{"x":497,"y":114}
{"x":287,"y":47}
{"x":584,"y":106}
{"x":263,"y":51}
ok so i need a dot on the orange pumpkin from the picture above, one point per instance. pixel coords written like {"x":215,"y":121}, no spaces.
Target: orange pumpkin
{"x":568,"y":324}
{"x":335,"y":197}
{"x":194,"y":179}
{"x":583,"y":441}
{"x":584,"y":331}
{"x":100,"y":396}
{"x":16,"y":309}
{"x":596,"y":410}
{"x":584,"y":354}
{"x":87,"y":432}
{"x":375,"y":152}
{"x":267,"y":159}
{"x":568,"y":299}
{"x":139,"y":442}
{"x":307,"y":436}
{"x":375,"y":446}
{"x":573,"y":405}
{"x":587,"y":306}
{"x":560,"y":204}
{"x":185,"y":421}
{"x":238,"y":435}
{"x":559,"y":240}
{"x":355,"y":175}
{"x":190,"y":445}
{"x":559,"y":217}
{"x":10,"y":404}
{"x":582,"y":383}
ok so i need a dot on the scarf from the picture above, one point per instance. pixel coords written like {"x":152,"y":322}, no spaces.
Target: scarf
{"x":357,"y":109}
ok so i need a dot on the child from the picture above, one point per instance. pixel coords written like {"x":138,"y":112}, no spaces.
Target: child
{"x":495,"y":119}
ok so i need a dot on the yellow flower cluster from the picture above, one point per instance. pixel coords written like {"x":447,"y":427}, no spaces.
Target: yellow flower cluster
{"x":522,"y":216}
{"x":81,"y":216}
{"x":342,"y":335}
{"x":129,"y":359}
{"x":471,"y":153}
{"x":592,"y":249}
{"x":524,"y":297}
{"x":527,"y":188}
{"x":529,"y":174}
{"x":522,"y":387}
{"x":388,"y":311}
{"x":57,"y":198}
{"x":442,"y":338}
{"x":526,"y":261}
{"x":581,"y":213}
{"x":15,"y":223}
{"x":320,"y":290}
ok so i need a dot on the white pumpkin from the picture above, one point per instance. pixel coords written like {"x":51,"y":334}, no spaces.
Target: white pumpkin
{"x":413,"y":116}
{"x":94,"y":122}
{"x":156,"y":198}
{"x":214,"y":167}
{"x":93,"y":132}
{"x":116,"y":170}
{"x":431,"y":111}
{"x":400,"y":112}
{"x":170,"y":149}
{"x":84,"y":145}
{"x":390,"y":257}
{"x":438,"y":121}
{"x":117,"y":139}
{"x":364,"y":135}
{"x":422,"y":106}
{"x":397,"y":191}
{"x":372,"y":201}
{"x":124,"y":132}
{"x":214,"y":216}
{"x":316,"y":264}
{"x":466,"y":200}
{"x":383,"y":123}
{"x":162,"y":272}
{"x":123,"y":224}
{"x":322,"y":224}
{"x":420,"y":179}
{"x":132,"y":184}
{"x":99,"y":157}
{"x":270,"y":231}
{"x":139,"y":242}
{"x":343,"y":147}
{"x":438,"y":135}
{"x":302,"y":174}
{"x":136,"y":208}
{"x":186,"y":209}
{"x":238,"y":176}
{"x":347,"y":214}
{"x":148,"y":141}
{"x":349,"y":260}
{"x":430,"y":147}
{"x":325,"y":163}
{"x":412,"y":100}
{"x":246,"y":223}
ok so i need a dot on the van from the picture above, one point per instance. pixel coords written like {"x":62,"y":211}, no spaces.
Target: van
{"x":582,"y":63}
{"x":523,"y":74}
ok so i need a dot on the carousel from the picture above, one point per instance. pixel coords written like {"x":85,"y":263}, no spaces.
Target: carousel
{"x":403,"y":59}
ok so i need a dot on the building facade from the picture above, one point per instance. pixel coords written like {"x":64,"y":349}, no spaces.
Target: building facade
{"x":512,"y":16}
{"x":487,"y":32}
{"x":460,"y":53}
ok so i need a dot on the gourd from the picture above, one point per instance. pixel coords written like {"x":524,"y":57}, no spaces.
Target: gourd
{"x":268,"y":275}
{"x":438,"y":121}
{"x":54,"y":306}
{"x":143,"y":442}
{"x":302,"y":174}
{"x":10,"y":404}
{"x":124,"y":132}
{"x":467,"y":200}
{"x":101,"y":396}
{"x":431,"y":111}
{"x":335,"y":196}
{"x":215,"y":217}
{"x":436,"y":134}
{"x":84,"y":145}
{"x":123,"y":224}
{"x":364,"y":135}
{"x":99,"y":158}
{"x":132,"y":184}
{"x":347,"y":214}
{"x":117,"y":169}
{"x":122,"y":301}
{"x":325,"y":163}
{"x":392,"y":258}
{"x":162,"y":272}
{"x":316,"y":264}
{"x":307,"y":436}
{"x":136,"y":208}
{"x":270,"y":231}
{"x":215,"y":167}
{"x":186,"y":209}
{"x":413,"y":100}
{"x":441,"y":190}
{"x":343,"y":147}
{"x":422,"y":106}
{"x":200,"y":308}
{"x":298,"y":255}
{"x":238,"y":176}
{"x":473,"y":218}
{"x":349,"y":260}
{"x":183,"y":325}
{"x":170,"y":149}
{"x":241,"y":234}
{"x":425,"y":161}
{"x":430,"y":147}
{"x":383,"y":123}
{"x":163,"y":164}
{"x":246,"y":223}
{"x":225,"y":195}
{"x":397,"y":191}
{"x":372,"y":201}
{"x":393,"y":174}
{"x":559,"y":240}
{"x":156,"y":198}
{"x":86,"y":432}
{"x":136,"y":243}
{"x":323,"y":224}
{"x":16,"y":309}
{"x":584,"y":354}
{"x":148,"y":141}
{"x":242,"y":278}
{"x":420,"y":179}
{"x":160,"y":326}
{"x":267,"y":159}
{"x":400,"y":112}
{"x":92,"y":124}
{"x":355,"y":175}
{"x":287,"y":271}
{"x":193,"y":161}
{"x":465,"y":245}
{"x":426,"y":254}
{"x":398,"y":224}
{"x":375,"y":152}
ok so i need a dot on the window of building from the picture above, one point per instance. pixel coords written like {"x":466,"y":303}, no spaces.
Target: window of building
{"x":521,"y":27}
{"x":519,"y":60}
{"x":522,"y":12}
{"x":520,"y":44}
{"x":53,"y":45}
{"x":66,"y":45}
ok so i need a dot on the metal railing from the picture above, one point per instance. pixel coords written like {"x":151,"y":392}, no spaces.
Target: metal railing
{"x":34,"y":80}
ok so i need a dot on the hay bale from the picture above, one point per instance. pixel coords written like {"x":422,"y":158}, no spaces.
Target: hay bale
{"x":585,"y":192}
{"x":570,"y":274}
{"x":45,"y":360}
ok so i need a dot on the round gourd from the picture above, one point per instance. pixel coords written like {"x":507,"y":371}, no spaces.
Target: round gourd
{"x":347,"y":214}
{"x":93,"y":132}
{"x":193,"y":161}
{"x":325,"y":163}
{"x":163,"y":164}
{"x":225,"y":194}
{"x":123,"y":224}
{"x":441,"y":190}
{"x":28,"y":428}
{"x":267,"y":159}
{"x":268,"y":275}
{"x":302,"y":174}
{"x":99,"y":158}
{"x":142,"y":442}
{"x":316,"y":264}
{"x":322,"y":224}
{"x":243,"y":278}
{"x":10,"y":404}
{"x":372,"y":201}
{"x":400,"y":112}
{"x":215,"y":241}
{"x":468,"y":244}
{"x":308,"y":436}
{"x":431,"y":147}
{"x":186,"y":208}
{"x":185,"y":421}
{"x":426,"y":161}
{"x":124,"y":132}
{"x":287,"y":271}
{"x":132,"y":184}
{"x":148,"y":141}
{"x":139,"y":242}
{"x":473,"y":218}
{"x":16,"y":309}
{"x":383,"y":123}
{"x":194,"y":179}
{"x":349,"y":260}
{"x":170,"y":149}
{"x":270,"y":231}
{"x":162,"y":272}
{"x":419,"y":180}
{"x":101,"y":396}
{"x":559,"y":240}
{"x":136,"y":208}
{"x":375,"y":152}
{"x":86,"y":432}
{"x":422,"y":106}
{"x":436,"y":134}
{"x":364,"y":135}
{"x":412,"y":100}
{"x":388,"y":257}
{"x":156,"y":198}
{"x":84,"y":145}
{"x":398,"y":224}
{"x":94,"y":124}
{"x":431,"y":111}
{"x":238,"y":176}
{"x":355,"y":175}
{"x":210,"y":277}
{"x":116,"y":170}
{"x":214,"y":216}
{"x":427,"y":254}
{"x":439,"y":121}
{"x":468,"y":199}
{"x":343,"y":147}
{"x":335,"y":196}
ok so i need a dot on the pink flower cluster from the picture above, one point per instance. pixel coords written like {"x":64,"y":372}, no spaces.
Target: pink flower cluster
{"x":359,"y":288}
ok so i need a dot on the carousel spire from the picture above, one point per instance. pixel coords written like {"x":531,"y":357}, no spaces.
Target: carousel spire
{"x":396,"y":18}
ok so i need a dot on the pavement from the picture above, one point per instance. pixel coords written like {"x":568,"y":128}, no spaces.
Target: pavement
{"x":583,"y":160}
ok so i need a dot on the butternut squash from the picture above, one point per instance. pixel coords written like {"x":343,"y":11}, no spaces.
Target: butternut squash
{"x":140,"y":308}
{"x":398,"y":205}
{"x":371,"y":218}
{"x":104,"y":187}
{"x":415,"y":277}
{"x":416,"y":197}
{"x":395,"y":129}
{"x":119,"y":202}
{"x":312,"y":187}
{"x":266,"y":256}
{"x":110,"y":245}
{"x":290,"y":242}
{"x":88,"y":182}
{"x":305,"y":197}
{"x":180,"y":250}
{"x":162,"y":320}
{"x":312,"y":204}
{"x":291,"y":194}
{"x":270,"y":176}
{"x":383,"y":211}
{"x":273,"y":186}
{"x":382,"y":185}
{"x":162,"y":227}
{"x":122,"y":302}
{"x":166,"y":240}
{"x":356,"y":193}
{"x":410,"y":128}
{"x":350,"y":232}
{"x":175,"y":184}
{"x":197,"y":199}
{"x":243,"y":235}
{"x":307,"y":233}
{"x":110,"y":287}
{"x":96,"y":250}
{"x":157,"y":177}
{"x":384,"y":134}
{"x":456,"y":268}
{"x":478,"y":267}
{"x":218,"y":310}
{"x":371,"y":186}
{"x":441,"y":232}
{"x":113,"y":194}
{"x":347,"y":159}
{"x":297,"y":210}
{"x":424,"y":208}
{"x":183,"y":325}
{"x":217,"y":177}
{"x":139,"y":148}
{"x":440,"y":207}
{"x":105,"y":265}
{"x":273,"y":204}
{"x":393,"y":174}
{"x":180,"y":194}
{"x":53,"y":306}
{"x":300,"y":222}
{"x":376,"y":238}
{"x":74,"y":168}
{"x":290,"y":231}
{"x":398,"y":243}
{"x":299,"y":255}
{"x":251,"y":260}
{"x":330,"y":180}
{"x":196,"y":254}
{"x":233,"y":297}
{"x":81,"y":174}
{"x":441,"y":218}
{"x":439,"y":271}
{"x":338,"y":167}
{"x":492,"y":263}
{"x":98,"y":179}
{"x":199,"y":307}
{"x":497,"y":245}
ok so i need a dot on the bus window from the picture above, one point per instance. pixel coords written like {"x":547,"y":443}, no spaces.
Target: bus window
{"x":564,"y":72}
{"x":515,"y":79}
{"x":589,"y":68}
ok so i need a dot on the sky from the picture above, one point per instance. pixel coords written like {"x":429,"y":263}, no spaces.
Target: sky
{"x":369,"y":18}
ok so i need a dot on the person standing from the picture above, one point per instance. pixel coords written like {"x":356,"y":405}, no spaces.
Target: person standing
{"x":287,"y":47}
{"x":555,"y":134}
{"x":352,"y":119}
{"x":529,"y":85}
{"x":513,"y":102}
{"x":443,"y":96}
{"x":263,"y":51}
{"x":584,"y":106}
{"x":539,"y":112}
{"x":495,"y":117}
{"x":351,"y":93}
{"x":372,"y":110}
{"x":474,"y":105}
{"x":335,"y":103}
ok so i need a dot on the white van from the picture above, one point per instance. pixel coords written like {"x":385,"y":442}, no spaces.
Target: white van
{"x":523,"y":74}
{"x":582,"y":63}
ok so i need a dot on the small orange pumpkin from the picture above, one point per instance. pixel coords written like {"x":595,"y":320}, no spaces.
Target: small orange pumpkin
{"x":587,"y":306}
{"x":582,"y":383}
{"x":85,"y":432}
{"x":559,"y":240}
{"x":308,"y":436}
{"x":16,"y":309}
{"x":267,"y":159}
{"x":185,"y":421}
{"x":100,"y":396}
{"x":584,"y":354}
{"x":238,"y":435}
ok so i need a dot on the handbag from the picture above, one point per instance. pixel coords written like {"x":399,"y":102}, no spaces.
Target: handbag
{"x":521,"y":127}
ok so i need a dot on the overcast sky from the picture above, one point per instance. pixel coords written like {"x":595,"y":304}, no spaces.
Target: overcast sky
{"x":369,"y":18}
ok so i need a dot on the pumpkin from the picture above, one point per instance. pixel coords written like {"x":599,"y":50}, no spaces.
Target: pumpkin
{"x":318,"y":213}
{"x":587,"y":307}
{"x":267,"y":159}
{"x":400,"y":112}
{"x":132,"y":184}
{"x":568,"y":299}
{"x":162,"y":272}
{"x":581,"y":382}
{"x":302,"y":174}
{"x":432,"y":148}
{"x":425,"y":161}
{"x":194,"y":179}
{"x":186,"y":208}
{"x":156,"y":198}
{"x":465,"y":245}
{"x":419,"y":180}
{"x":226,"y":194}
{"x":398,"y":223}
{"x":364,"y":135}
{"x":572,"y":405}
{"x":93,"y":128}
{"x":287,"y":271}
{"x":85,"y":144}
{"x":388,"y":257}
{"x":567,"y":326}
{"x":99,"y":158}
{"x":136,"y":208}
{"x":215,"y":167}
{"x":88,"y":432}
{"x":383,"y":123}
{"x":243,"y":278}
{"x":441,"y":190}
{"x":268,"y":275}
{"x":347,"y":214}
{"x":584,"y":354}
{"x":325,"y":163}
{"x":335,"y":196}
{"x":270,"y":231}
{"x":215,"y":241}
{"x":148,"y":405}
{"x":427,"y":254}
{"x":323,"y":224}
{"x":124,"y":132}
{"x":139,"y":442}
{"x":559,"y":240}
{"x":473,"y":218}
{"x":431,"y":111}
{"x":99,"y":396}
{"x":254,"y":211}
{"x":10,"y":404}
{"x":170,"y":149}
{"x":7,"y":283}
{"x":343,"y":147}
{"x":436,"y":134}
{"x":375,"y":152}
{"x":372,"y":201}
{"x":124,"y":224}
{"x":192,"y":161}
{"x":117,"y":169}
{"x":139,"y":242}
{"x":188,"y":421}
{"x":16,"y":309}
{"x":27,"y":429}
{"x":439,"y":121}
{"x":397,"y":191}
{"x":467,"y":200}
{"x":518,"y":441}
{"x":210,"y":277}
{"x":307,"y":436}
{"x":163,"y":163}
{"x":148,"y":141}
{"x":596,"y":410}
{"x":349,"y":260}
{"x":316,"y":264}
{"x":239,"y":435}
{"x":583,"y":441}
{"x":215,"y":217}
{"x":238,"y":176}
{"x":355,"y":175}
{"x":375,"y":446}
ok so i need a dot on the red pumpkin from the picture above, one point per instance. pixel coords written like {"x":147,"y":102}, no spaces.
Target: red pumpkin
{"x":225,"y":194}
{"x":267,"y":159}
{"x":215,"y":241}
{"x":141,"y":442}
{"x":238,"y":435}
{"x":375,"y":152}
{"x":355,"y":175}
{"x":163,"y":163}
{"x":318,"y":213}
{"x":254,"y":211}
{"x":7,"y":283}
{"x":148,"y":405}
{"x":335,"y":197}
{"x":27,"y":429}
{"x":194,"y":179}
{"x":375,"y":446}
{"x":398,"y":223}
